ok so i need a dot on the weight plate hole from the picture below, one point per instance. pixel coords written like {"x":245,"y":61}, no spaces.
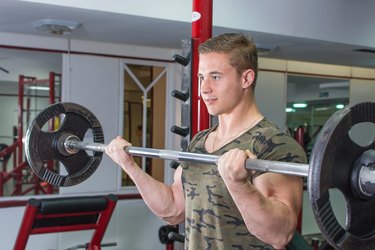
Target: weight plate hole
{"x":54,"y":123}
{"x":358,"y":136}
{"x":89,"y":138}
{"x":338,"y":201}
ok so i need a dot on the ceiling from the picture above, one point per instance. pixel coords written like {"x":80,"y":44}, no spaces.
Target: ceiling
{"x":17,"y":17}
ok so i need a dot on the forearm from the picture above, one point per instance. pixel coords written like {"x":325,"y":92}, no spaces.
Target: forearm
{"x":268,"y":219}
{"x":165,"y":201}
{"x":159,"y":197}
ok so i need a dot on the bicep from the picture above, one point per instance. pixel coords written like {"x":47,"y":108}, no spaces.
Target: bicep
{"x":287,"y":189}
{"x":178,"y":193}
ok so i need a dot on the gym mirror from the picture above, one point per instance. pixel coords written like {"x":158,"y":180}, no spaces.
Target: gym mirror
{"x":25,"y":80}
{"x":311,"y":101}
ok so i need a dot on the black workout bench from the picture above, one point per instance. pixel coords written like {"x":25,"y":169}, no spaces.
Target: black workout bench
{"x":67,"y":214}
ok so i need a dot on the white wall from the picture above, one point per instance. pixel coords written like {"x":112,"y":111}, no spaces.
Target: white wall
{"x":94,"y":82}
{"x":270,"y":94}
{"x":362,"y":90}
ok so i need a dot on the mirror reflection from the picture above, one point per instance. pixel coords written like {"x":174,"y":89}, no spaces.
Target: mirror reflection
{"x":310,"y":102}
{"x":30,"y":81}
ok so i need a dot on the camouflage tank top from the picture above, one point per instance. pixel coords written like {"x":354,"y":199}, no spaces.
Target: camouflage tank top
{"x":212,"y":220}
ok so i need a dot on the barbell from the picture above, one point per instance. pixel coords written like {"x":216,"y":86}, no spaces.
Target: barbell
{"x":336,"y":162}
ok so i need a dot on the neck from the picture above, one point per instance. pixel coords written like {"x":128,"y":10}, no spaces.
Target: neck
{"x":230,"y":124}
{"x":230,"y":128}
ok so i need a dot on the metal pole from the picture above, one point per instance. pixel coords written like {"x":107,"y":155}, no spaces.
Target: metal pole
{"x":201,"y":31}
{"x":21,"y":86}
{"x":288,"y":168}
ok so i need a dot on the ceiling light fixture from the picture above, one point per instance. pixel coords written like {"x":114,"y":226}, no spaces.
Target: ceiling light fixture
{"x":38,"y":88}
{"x":289,"y":110}
{"x":55,"y":27}
{"x":340,"y":106}
{"x":328,"y":85}
{"x":299,"y":105}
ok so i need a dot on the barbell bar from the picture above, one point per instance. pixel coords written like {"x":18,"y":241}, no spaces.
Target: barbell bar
{"x":288,"y":168}
{"x":336,"y":162}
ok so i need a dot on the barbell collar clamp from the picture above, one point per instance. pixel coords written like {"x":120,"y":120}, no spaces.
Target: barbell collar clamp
{"x":64,"y":147}
{"x":364,"y":180}
{"x":92,"y":146}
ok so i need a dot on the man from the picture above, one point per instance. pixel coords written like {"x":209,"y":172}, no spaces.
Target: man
{"x":226,"y":206}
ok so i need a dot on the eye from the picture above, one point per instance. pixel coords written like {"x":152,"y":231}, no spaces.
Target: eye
{"x":215,"y":77}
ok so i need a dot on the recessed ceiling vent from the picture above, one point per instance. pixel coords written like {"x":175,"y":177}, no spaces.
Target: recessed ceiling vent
{"x":55,"y":27}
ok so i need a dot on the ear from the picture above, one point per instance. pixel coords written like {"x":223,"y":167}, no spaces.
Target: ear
{"x":247,"y":78}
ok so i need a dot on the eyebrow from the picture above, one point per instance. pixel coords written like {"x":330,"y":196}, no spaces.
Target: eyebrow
{"x":212,"y":73}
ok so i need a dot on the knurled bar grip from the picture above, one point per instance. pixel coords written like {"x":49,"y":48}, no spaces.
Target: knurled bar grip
{"x":288,"y":168}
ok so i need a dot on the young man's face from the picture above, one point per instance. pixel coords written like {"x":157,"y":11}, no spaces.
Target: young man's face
{"x":221,"y":87}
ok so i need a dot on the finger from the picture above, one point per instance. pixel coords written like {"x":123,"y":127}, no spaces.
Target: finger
{"x":249,"y":154}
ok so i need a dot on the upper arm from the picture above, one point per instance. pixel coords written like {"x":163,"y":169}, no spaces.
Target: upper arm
{"x":286,"y":189}
{"x":178,"y":196}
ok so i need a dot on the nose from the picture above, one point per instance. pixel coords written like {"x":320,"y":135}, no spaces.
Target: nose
{"x":205,"y":86}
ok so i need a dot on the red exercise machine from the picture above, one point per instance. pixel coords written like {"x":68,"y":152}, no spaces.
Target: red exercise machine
{"x":67,"y":214}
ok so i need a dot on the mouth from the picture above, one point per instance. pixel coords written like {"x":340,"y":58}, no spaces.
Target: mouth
{"x":210,"y":101}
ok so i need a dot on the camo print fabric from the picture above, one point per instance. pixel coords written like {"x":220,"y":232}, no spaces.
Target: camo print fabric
{"x":212,"y":218}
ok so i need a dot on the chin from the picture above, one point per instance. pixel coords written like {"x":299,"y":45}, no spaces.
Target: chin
{"x":213,"y":113}
{"x":212,"y":110}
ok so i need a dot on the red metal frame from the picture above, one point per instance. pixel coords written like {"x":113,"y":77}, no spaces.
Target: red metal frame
{"x":201,"y":31}
{"x":33,"y":212}
{"x":17,"y":147}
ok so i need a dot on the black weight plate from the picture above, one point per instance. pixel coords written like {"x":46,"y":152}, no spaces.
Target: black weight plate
{"x":41,"y":146}
{"x":331,"y":167}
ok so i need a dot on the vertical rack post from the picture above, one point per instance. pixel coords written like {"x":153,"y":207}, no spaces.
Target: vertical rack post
{"x":201,"y":31}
